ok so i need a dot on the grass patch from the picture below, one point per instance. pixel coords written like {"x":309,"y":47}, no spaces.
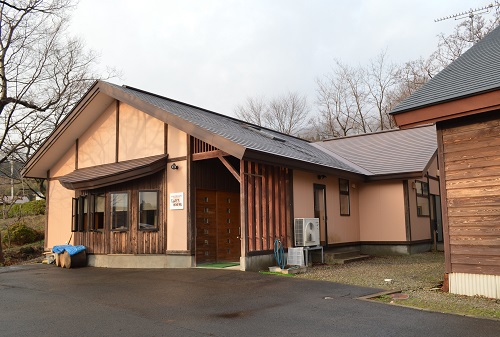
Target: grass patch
{"x":275,"y":273}
{"x":16,"y":252}
{"x":219,"y":265}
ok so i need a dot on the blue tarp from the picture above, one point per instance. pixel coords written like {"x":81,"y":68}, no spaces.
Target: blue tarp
{"x":72,"y":250}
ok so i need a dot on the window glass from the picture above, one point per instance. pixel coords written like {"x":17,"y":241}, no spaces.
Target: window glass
{"x":119,"y":210}
{"x":99,"y":202}
{"x":148,"y":210}
{"x":85,"y":217}
{"x":344,"y":185}
{"x":345,"y":208}
{"x":74,"y":218}
{"x":422,"y":191}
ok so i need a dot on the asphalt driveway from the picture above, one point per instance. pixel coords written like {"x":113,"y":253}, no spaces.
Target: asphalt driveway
{"x":40,"y":300}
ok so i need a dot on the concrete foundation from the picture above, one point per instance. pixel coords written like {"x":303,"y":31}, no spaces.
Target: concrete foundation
{"x":257,"y":263}
{"x":140,"y":261}
{"x":375,"y":250}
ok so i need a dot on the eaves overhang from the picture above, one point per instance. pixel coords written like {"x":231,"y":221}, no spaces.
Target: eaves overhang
{"x":442,"y":111}
{"x":113,"y":173}
{"x":292,"y":163}
{"x":220,"y":142}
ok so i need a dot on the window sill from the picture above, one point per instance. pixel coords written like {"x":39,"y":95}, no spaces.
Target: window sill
{"x":148,"y":229}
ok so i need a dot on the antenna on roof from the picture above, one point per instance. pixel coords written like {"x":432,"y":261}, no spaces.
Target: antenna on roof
{"x":470,"y":13}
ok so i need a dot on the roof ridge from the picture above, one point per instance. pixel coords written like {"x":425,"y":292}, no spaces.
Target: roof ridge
{"x":345,"y":160}
{"x":373,"y":133}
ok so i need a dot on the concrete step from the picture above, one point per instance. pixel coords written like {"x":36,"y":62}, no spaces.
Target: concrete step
{"x":351,"y":259}
{"x":339,"y":257}
{"x":343,"y":254}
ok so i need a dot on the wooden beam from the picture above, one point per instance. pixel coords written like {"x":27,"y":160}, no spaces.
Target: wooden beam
{"x":229,"y":167}
{"x":444,"y":198}
{"x":208,"y":155}
{"x":243,"y":211}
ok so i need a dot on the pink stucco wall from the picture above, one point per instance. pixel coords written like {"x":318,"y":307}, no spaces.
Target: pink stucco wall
{"x":382,"y":211}
{"x":97,"y":145}
{"x":59,"y":216}
{"x":140,"y":134}
{"x":340,"y":229}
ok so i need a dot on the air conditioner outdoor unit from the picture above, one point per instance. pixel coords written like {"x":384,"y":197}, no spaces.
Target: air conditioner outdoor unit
{"x":306,"y":232}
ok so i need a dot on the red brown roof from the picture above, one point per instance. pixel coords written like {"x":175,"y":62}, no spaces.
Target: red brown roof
{"x":109,"y":174}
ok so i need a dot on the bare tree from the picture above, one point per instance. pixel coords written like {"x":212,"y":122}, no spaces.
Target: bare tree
{"x":344,"y":101}
{"x":287,"y":113}
{"x":467,"y":33}
{"x":413,"y":74}
{"x":333,"y":119}
{"x":359,"y":99}
{"x":43,"y":73}
{"x":381,"y":79}
{"x":252,"y":111}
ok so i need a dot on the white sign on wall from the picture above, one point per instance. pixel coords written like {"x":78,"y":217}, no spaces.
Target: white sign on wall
{"x":177,"y":200}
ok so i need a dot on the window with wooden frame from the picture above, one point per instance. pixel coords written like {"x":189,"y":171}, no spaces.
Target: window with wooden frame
{"x":79,"y":212}
{"x":148,"y":210}
{"x":119,"y":210}
{"x":345,"y":207}
{"x":74,"y":215}
{"x":96,"y":212}
{"x":83,"y":210}
{"x":422,"y":192}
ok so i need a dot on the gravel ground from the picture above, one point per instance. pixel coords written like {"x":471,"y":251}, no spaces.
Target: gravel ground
{"x":419,"y":276}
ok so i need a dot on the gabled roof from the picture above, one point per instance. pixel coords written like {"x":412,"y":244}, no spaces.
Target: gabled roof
{"x":237,"y":138}
{"x":388,"y":153}
{"x":475,"y":72}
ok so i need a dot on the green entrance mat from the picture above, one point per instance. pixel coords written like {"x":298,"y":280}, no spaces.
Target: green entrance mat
{"x":219,"y":265}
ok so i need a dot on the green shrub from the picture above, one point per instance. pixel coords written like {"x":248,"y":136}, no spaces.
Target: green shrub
{"x":20,"y":234}
{"x":35,"y":207}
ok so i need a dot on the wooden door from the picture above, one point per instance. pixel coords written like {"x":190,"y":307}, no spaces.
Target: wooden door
{"x":206,"y":228}
{"x":320,"y":212}
{"x":228,"y":227}
{"x":217,"y":226}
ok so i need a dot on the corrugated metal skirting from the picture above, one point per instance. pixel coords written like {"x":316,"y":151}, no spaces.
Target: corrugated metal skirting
{"x":475,"y":284}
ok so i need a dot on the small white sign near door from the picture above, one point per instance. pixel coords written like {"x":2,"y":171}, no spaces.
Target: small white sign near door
{"x":177,"y":200}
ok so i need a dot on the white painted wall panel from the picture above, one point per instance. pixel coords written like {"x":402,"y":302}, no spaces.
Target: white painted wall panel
{"x":475,"y":284}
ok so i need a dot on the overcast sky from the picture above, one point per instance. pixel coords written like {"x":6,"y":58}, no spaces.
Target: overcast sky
{"x":214,"y":54}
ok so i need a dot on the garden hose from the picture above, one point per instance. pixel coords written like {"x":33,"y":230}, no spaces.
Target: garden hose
{"x":279,"y":254}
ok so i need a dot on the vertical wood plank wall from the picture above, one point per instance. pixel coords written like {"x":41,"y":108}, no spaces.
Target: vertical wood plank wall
{"x":472,"y":169}
{"x":133,"y":240}
{"x":268,"y":205}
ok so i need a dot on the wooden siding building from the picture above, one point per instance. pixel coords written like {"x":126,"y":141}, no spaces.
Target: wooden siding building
{"x":145,"y":181}
{"x":464,"y":103}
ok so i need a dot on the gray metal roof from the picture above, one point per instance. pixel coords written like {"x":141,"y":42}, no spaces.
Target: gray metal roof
{"x":476,"y":71}
{"x":247,"y":135}
{"x":388,"y":152}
